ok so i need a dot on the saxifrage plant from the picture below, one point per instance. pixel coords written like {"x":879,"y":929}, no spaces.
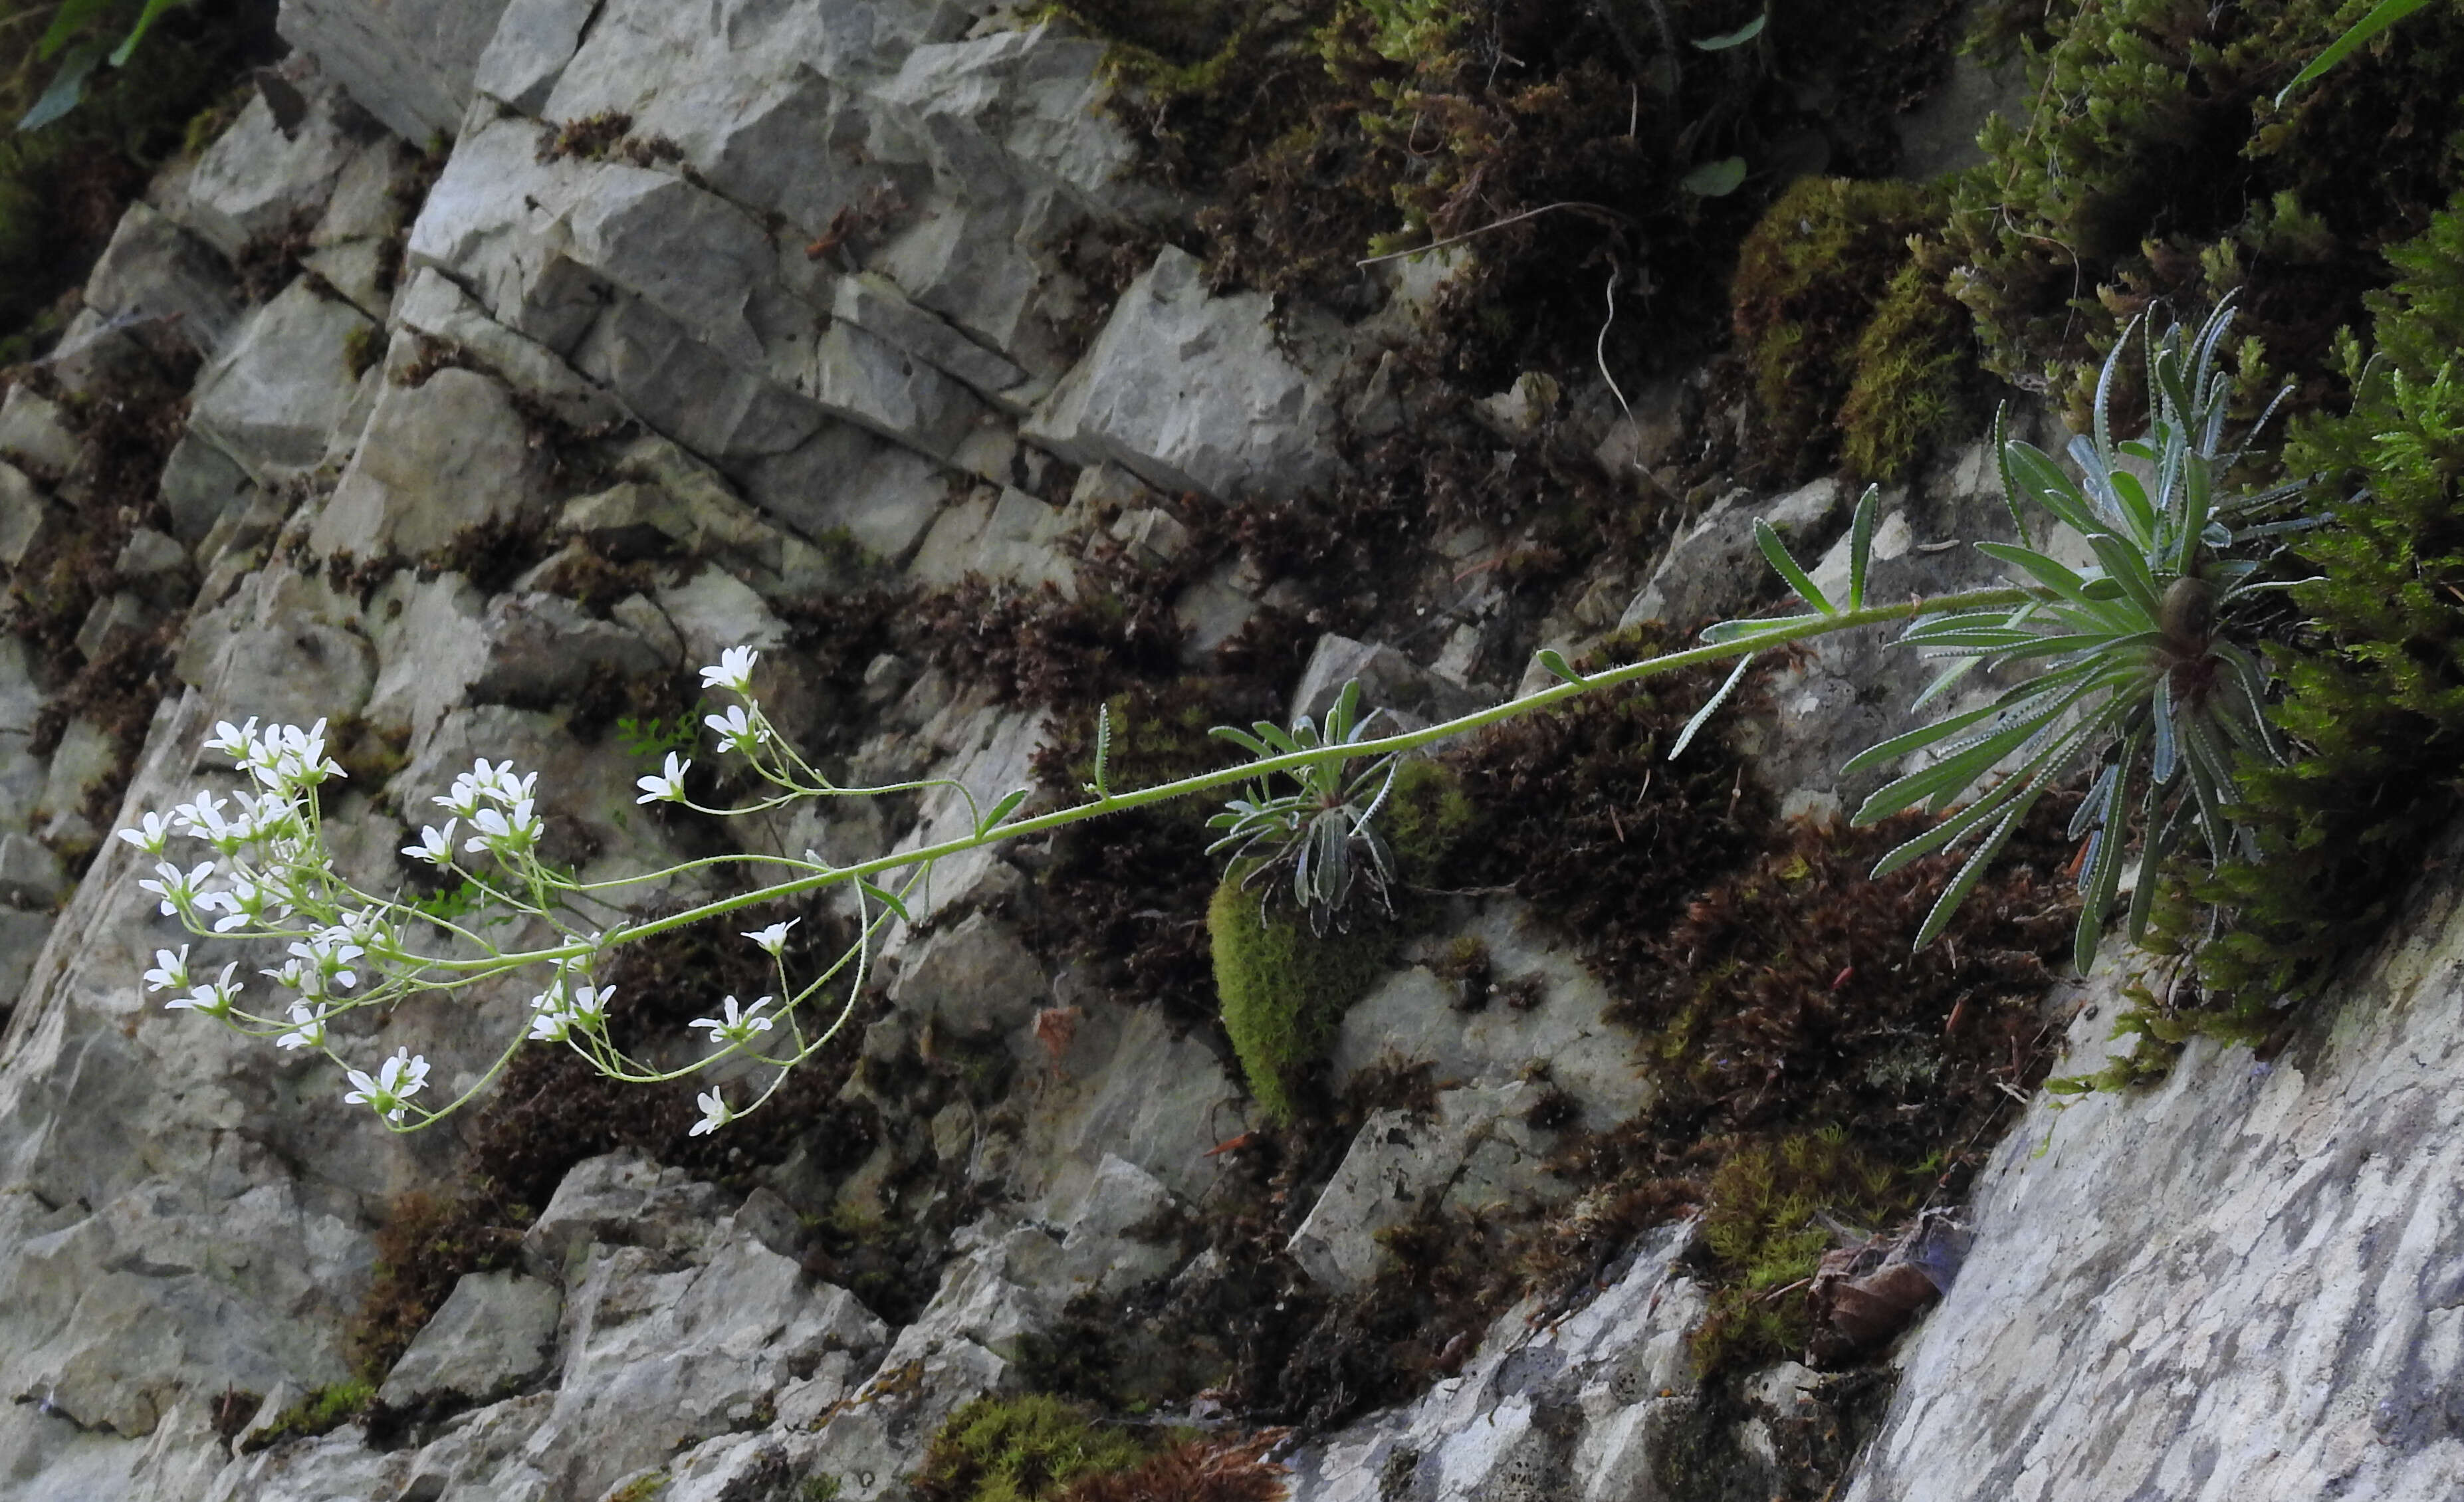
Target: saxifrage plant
{"x":2141,"y":677}
{"x":2137,"y":671}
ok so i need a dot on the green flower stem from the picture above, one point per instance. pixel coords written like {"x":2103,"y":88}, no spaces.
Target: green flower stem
{"x":1781,"y":633}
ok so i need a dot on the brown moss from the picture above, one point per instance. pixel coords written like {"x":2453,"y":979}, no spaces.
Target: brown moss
{"x":427,"y":1242}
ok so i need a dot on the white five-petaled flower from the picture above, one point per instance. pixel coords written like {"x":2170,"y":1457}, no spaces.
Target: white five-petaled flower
{"x":214,"y":999}
{"x":178,"y":892}
{"x":153,"y":832}
{"x":739,"y":1025}
{"x":734,"y":671}
{"x":233,"y":740}
{"x":307,"y":1028}
{"x":736,"y":730}
{"x":247,"y":900}
{"x":550,"y":1027}
{"x":589,"y":1006}
{"x":170,"y":972}
{"x":402,"y":1077}
{"x":668,"y":786}
{"x":714,"y":1114}
{"x":435,"y":846}
{"x":330,"y":958}
{"x":773,"y":938}
{"x":507,"y":833}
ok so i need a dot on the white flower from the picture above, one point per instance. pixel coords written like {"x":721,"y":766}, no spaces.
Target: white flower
{"x":508,"y":833}
{"x":734,"y":671}
{"x":233,"y":740}
{"x":307,"y":1030}
{"x":550,"y":1027}
{"x":331,"y":959}
{"x":170,"y":971}
{"x":402,"y":1077}
{"x":774,"y":938}
{"x":669,"y":787}
{"x":248,"y":900}
{"x":714,"y":1114}
{"x":214,"y":999}
{"x":179,"y":893}
{"x":435,"y":846}
{"x":152,"y":832}
{"x":589,"y":1006}
{"x":735,"y":730}
{"x":739,"y":1024}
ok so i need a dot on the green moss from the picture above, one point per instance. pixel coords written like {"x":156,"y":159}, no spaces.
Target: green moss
{"x":641,"y":1489}
{"x":1282,"y":989}
{"x":1427,"y":814}
{"x":2377,"y":705}
{"x":1761,"y":1229}
{"x":320,"y":1412}
{"x":1905,"y":376}
{"x":1021,"y":1449}
{"x":362,"y":348}
{"x":1810,"y":279}
{"x":2154,"y":164}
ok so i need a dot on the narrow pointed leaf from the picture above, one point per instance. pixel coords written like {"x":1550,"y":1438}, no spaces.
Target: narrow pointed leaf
{"x":1767,"y":538}
{"x":1861,"y":544}
{"x":1711,"y":706}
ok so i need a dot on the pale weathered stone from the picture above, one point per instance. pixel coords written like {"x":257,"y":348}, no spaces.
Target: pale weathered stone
{"x":1191,"y":393}
{"x":1476,"y":1153}
{"x":258,"y":182}
{"x":199,"y":484}
{"x":874,"y":304}
{"x":1388,"y":680}
{"x":152,"y":268}
{"x":33,"y":432}
{"x":408,"y":62}
{"x":973,"y":979}
{"x":543,"y":648}
{"x":880,"y":495}
{"x":440,"y":460}
{"x":1412,"y":1017}
{"x":494,"y":1333}
{"x":533,"y":41}
{"x":275,"y":396}
{"x":1717,"y":570}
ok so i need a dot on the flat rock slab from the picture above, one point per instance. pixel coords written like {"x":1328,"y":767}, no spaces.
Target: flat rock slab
{"x":2243,"y":1284}
{"x":495,"y":1332}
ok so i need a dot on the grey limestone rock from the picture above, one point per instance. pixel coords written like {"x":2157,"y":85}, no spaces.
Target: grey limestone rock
{"x":272,"y":399}
{"x":1716,"y":570}
{"x":153,"y":268}
{"x":494,"y":1332}
{"x":1474,"y":1153}
{"x":533,"y":42}
{"x":408,"y":62}
{"x":439,"y":460}
{"x":622,"y":1200}
{"x":1388,"y":680}
{"x":1412,"y":1017}
{"x":1191,"y":393}
{"x":975,"y":979}
{"x":200,"y":483}
{"x":542,"y":649}
{"x":258,"y":182}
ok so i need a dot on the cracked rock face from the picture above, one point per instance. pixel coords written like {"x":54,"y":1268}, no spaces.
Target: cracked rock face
{"x":714,"y":315}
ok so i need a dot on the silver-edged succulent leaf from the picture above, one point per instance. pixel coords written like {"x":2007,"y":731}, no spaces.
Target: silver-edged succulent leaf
{"x":1310,"y":831}
{"x":2134,"y":667}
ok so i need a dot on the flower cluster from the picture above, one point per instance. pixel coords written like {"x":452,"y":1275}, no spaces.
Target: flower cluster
{"x":269,"y":878}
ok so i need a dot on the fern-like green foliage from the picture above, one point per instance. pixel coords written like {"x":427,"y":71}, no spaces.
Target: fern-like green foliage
{"x":2379,"y":709}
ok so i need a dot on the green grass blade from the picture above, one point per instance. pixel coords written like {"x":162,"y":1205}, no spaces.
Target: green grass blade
{"x":1861,"y":544}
